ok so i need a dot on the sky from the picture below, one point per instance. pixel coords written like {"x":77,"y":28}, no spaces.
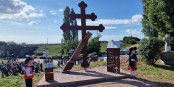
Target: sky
{"x":35,"y":21}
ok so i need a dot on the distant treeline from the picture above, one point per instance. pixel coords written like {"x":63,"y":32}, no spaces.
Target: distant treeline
{"x":130,"y":40}
{"x":12,"y":49}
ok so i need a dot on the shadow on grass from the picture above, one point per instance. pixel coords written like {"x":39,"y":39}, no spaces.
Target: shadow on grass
{"x":163,"y":84}
{"x":171,"y":68}
{"x":159,"y":84}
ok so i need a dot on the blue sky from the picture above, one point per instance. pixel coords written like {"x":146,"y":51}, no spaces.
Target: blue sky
{"x":33,"y":21}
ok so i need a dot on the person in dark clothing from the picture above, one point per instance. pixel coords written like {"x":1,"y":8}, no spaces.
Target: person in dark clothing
{"x":41,"y":66}
{"x":36,"y":68}
{"x":136,"y":50}
{"x":132,"y":62}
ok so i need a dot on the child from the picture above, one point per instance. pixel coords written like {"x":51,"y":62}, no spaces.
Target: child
{"x":28,"y":73}
{"x":132,"y":62}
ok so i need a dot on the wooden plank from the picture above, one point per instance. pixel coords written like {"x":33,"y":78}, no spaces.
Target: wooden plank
{"x":77,"y":52}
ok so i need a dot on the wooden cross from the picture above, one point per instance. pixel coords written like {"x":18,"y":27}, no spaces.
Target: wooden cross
{"x":83,"y":27}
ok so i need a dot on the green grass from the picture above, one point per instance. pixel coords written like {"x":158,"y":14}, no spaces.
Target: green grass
{"x":16,"y":81}
{"x":162,"y":75}
{"x":53,"y":50}
{"x":103,"y":47}
{"x":5,"y":61}
{"x":19,"y":81}
{"x":12,"y":81}
{"x":124,"y":45}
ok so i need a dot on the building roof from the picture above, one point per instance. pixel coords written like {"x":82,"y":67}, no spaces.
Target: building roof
{"x":114,"y":44}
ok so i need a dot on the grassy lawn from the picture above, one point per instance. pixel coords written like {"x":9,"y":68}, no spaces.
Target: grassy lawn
{"x":5,"y":61}
{"x":162,"y":75}
{"x":124,"y":45}
{"x":16,"y":81}
{"x":53,"y":50}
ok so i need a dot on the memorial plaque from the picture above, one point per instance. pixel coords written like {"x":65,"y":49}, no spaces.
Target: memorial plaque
{"x":49,"y":68}
{"x":113,"y":56}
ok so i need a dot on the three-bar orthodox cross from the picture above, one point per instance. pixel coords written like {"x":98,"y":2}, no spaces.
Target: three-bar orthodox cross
{"x":83,"y":16}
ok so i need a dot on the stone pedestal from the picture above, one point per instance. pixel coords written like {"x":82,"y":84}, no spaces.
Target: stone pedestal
{"x":167,"y":43}
{"x":167,"y":48}
{"x":167,"y":58}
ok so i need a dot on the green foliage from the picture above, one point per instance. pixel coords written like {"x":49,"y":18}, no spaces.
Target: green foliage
{"x":94,"y":45}
{"x":70,"y":37}
{"x":150,"y":49}
{"x":160,"y":13}
{"x":148,"y":28}
{"x":130,"y":40}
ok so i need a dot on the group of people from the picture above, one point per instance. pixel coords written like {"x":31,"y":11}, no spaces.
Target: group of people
{"x":16,"y":68}
{"x":62,"y":61}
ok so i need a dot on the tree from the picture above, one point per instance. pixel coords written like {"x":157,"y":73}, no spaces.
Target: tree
{"x":70,"y":37}
{"x":160,"y":13}
{"x":66,"y":20}
{"x":148,"y":29}
{"x":94,"y":45}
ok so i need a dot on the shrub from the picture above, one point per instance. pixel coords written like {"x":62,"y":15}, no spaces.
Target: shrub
{"x":130,"y":40}
{"x":94,"y":45}
{"x":150,"y":49}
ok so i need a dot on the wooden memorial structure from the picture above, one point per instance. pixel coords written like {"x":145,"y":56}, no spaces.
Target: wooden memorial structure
{"x":113,"y":56}
{"x":49,"y":68}
{"x":82,"y":47}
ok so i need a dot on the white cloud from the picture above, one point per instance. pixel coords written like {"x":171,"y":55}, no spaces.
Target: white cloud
{"x":112,"y":37}
{"x":17,"y":9}
{"x":110,"y":27}
{"x":32,"y":23}
{"x":60,"y":10}
{"x":53,"y":12}
{"x":55,"y":21}
{"x":134,"y":19}
{"x":133,"y":31}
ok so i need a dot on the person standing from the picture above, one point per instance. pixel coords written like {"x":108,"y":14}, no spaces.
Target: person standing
{"x":132,"y":62}
{"x":17,"y":59}
{"x":41,"y":66}
{"x":28,"y":72}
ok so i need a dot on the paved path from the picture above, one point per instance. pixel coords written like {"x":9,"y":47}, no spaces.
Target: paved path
{"x":97,"y":77}
{"x":123,"y":83}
